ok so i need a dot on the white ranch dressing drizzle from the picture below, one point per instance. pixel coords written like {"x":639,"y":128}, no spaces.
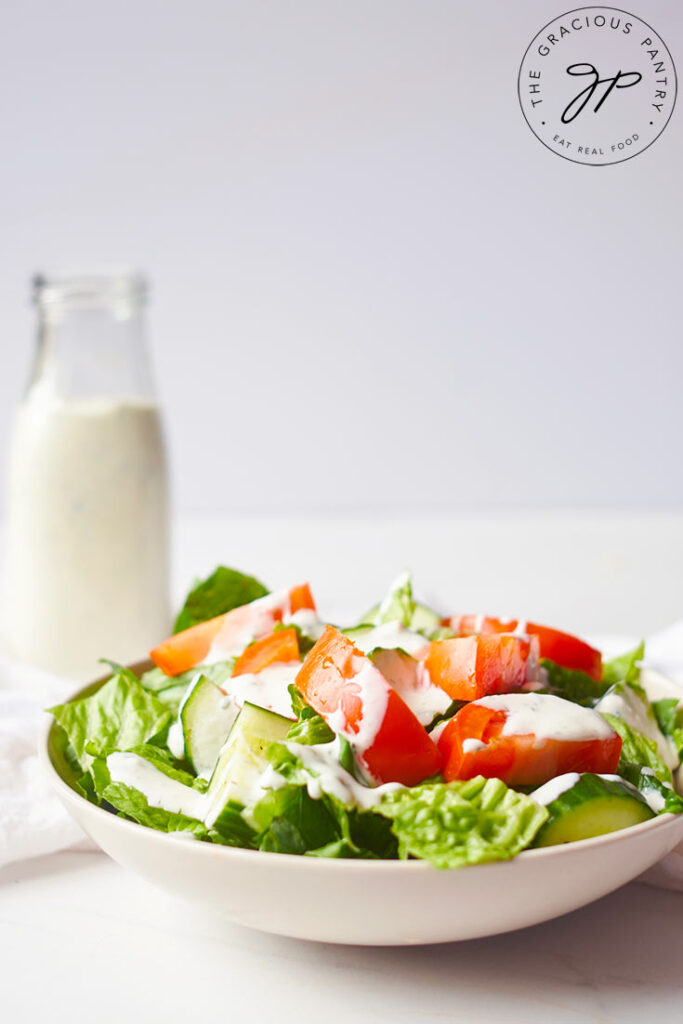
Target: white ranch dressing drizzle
{"x":471,"y":745}
{"x":553,"y":789}
{"x":624,"y":703}
{"x":308,"y":622}
{"x":266,"y":689}
{"x":328,"y":776}
{"x":175,"y":740}
{"x":391,"y":635}
{"x":547,"y":717}
{"x":175,"y":797}
{"x":255,"y":620}
{"x":426,"y":700}
{"x":550,"y":791}
{"x":158,"y":789}
{"x":373,"y":690}
{"x":655,"y":800}
{"x":436,"y":732}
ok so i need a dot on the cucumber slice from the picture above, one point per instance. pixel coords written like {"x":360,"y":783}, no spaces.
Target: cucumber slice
{"x":206,"y":719}
{"x":242,"y":760}
{"x":429,"y":703}
{"x":358,"y":632}
{"x":397,"y":666}
{"x":424,"y":619}
{"x":590,"y":806}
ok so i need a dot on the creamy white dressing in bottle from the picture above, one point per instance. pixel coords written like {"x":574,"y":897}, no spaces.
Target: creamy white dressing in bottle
{"x":87,"y":518}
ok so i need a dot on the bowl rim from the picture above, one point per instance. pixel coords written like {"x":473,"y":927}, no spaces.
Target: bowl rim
{"x":71,"y":796}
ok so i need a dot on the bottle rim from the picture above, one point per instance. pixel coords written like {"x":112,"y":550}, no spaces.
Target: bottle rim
{"x":84,"y":289}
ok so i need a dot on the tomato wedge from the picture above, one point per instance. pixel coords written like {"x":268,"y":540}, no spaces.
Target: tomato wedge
{"x":281,"y":646}
{"x":230,"y":633}
{"x":562,"y":648}
{"x":483,"y":739}
{"x":470,"y":667}
{"x":355,"y":699}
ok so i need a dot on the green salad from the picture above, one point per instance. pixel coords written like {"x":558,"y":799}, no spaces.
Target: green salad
{"x":410,"y":734}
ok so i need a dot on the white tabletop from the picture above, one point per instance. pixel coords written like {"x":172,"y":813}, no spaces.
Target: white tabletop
{"x":80,"y":938}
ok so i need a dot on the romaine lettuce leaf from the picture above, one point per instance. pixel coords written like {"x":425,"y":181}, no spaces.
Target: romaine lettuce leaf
{"x":661,"y":797}
{"x":669,"y":715}
{"x":291,"y":822}
{"x":625,"y":669}
{"x":222,"y":591}
{"x":120,"y":715}
{"x":309,"y":728}
{"x":170,"y":690}
{"x":133,"y":804}
{"x":230,"y":828}
{"x":572,"y":684}
{"x":399,"y":604}
{"x":638,"y":750}
{"x":164,"y":762}
{"x":451,"y":824}
{"x":580,"y":688}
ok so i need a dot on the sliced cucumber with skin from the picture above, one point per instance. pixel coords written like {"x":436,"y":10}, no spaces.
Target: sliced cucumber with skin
{"x":590,"y":806}
{"x":397,"y":666}
{"x":358,"y":632}
{"x":424,"y":619}
{"x":206,"y":719}
{"x":242,"y":760}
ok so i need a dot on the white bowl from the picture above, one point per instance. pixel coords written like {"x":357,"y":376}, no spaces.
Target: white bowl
{"x":371,"y":902}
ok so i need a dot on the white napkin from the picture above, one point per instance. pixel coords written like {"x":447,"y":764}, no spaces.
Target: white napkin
{"x":33,"y":821}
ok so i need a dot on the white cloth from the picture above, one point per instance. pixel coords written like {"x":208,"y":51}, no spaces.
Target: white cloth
{"x":33,"y":821}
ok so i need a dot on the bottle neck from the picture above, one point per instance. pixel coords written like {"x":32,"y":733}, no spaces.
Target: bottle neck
{"x":91,"y":343}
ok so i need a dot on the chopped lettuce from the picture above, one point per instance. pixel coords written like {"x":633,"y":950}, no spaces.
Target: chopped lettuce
{"x":451,"y":824}
{"x":309,"y":728}
{"x":659,"y":795}
{"x":132,"y":804}
{"x":669,"y":714}
{"x":168,"y":765}
{"x":291,"y":821}
{"x":231,"y":829}
{"x":222,"y":591}
{"x":572,"y":684}
{"x":321,"y":803}
{"x":119,"y":716}
{"x":625,"y":669}
{"x":638,"y":750}
{"x":170,"y":690}
{"x":580,"y":688}
{"x":399,"y":605}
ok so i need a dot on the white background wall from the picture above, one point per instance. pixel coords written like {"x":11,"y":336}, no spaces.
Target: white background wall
{"x":373,"y":287}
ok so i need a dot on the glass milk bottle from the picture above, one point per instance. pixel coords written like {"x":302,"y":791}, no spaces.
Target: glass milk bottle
{"x":87,"y":519}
